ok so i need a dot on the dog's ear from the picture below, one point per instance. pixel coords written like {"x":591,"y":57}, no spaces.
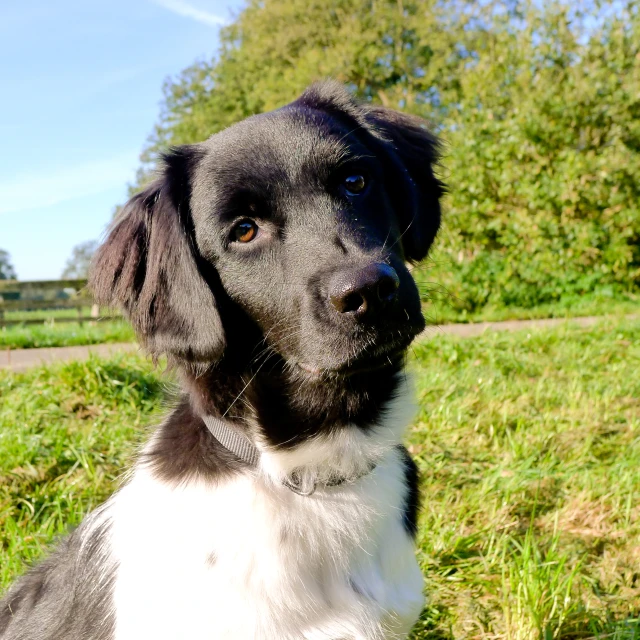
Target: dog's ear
{"x":416,"y":151}
{"x":149,"y":266}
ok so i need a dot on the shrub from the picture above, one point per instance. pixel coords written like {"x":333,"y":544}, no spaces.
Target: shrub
{"x":538,"y":105}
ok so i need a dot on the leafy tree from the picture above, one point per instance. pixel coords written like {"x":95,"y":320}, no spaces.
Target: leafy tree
{"x":396,"y":53}
{"x":538,"y":105}
{"x":78,"y":264}
{"x":544,"y":161}
{"x":7,"y":272}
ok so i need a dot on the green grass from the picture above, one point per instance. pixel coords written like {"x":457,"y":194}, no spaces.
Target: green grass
{"x":67,"y":432}
{"x":64,"y":335}
{"x":528,"y":444}
{"x":529,"y":447}
{"x":440,"y":308}
{"x":47,"y":314}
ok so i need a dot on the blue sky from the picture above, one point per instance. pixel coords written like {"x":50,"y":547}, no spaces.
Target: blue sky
{"x":81,"y":87}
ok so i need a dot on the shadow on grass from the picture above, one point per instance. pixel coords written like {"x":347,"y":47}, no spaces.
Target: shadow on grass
{"x":435,"y":624}
{"x":598,"y":629}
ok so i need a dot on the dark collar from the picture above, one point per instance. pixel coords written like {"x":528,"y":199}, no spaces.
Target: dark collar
{"x":237,"y":443}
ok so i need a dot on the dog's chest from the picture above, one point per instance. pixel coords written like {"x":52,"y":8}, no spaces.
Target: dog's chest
{"x":242,"y":561}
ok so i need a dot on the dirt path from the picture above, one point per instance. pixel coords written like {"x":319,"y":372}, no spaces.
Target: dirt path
{"x":478,"y":328}
{"x":21,"y":359}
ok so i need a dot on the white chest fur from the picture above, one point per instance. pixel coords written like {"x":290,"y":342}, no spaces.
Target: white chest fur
{"x":247,"y":559}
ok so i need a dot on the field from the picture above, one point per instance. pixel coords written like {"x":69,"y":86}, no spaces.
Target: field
{"x":438,"y":308}
{"x":66,"y":334}
{"x":528,"y":444}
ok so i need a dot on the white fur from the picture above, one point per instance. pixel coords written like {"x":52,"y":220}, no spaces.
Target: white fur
{"x":247,"y":559}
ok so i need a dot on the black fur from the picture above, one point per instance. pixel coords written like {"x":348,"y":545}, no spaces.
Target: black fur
{"x":412,"y":500}
{"x":251,"y":328}
{"x":184,"y":449}
{"x":251,"y":321}
{"x":408,"y":151}
{"x":66,"y":597}
{"x":149,"y":267}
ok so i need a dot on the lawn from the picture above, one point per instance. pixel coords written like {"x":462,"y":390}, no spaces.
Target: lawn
{"x":441,"y":307}
{"x":438,"y":307}
{"x":64,"y":334}
{"x":528,"y":443}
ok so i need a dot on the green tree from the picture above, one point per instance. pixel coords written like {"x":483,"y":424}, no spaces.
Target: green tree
{"x":77,"y":265}
{"x":544,"y":161}
{"x":395,"y":53}
{"x":538,"y":105}
{"x":7,"y":272}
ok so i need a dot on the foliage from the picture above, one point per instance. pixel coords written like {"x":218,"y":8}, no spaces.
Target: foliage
{"x":538,"y":105}
{"x":528,"y":445}
{"x":78,"y":263}
{"x":7,"y":272}
{"x":439,"y":310}
{"x":544,"y":158}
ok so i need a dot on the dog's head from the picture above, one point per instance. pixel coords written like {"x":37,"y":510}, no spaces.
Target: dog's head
{"x":289,"y":233}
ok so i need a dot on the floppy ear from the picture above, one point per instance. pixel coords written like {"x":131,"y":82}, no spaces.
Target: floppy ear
{"x":150,"y":267}
{"x":416,"y":151}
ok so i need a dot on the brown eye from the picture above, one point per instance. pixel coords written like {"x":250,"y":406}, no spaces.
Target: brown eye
{"x":246,"y":231}
{"x":354,"y":184}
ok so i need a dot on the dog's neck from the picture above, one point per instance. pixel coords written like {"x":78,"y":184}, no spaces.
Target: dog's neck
{"x":284,"y":407}
{"x":319,"y":429}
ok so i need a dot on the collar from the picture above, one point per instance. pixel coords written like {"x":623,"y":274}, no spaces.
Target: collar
{"x":232,"y":439}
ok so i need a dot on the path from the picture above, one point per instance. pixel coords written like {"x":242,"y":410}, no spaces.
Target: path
{"x":21,"y":359}
{"x":477,"y":328}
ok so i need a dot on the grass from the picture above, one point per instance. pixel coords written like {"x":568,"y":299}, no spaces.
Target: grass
{"x":46,"y":314}
{"x":529,"y":447}
{"x":439,"y":307}
{"x":528,"y":444}
{"x":64,"y":335}
{"x":66,"y":434}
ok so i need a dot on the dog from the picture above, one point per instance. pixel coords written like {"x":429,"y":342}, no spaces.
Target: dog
{"x":276,"y":501}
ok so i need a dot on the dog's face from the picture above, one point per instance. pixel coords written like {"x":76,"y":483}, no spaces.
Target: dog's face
{"x":287,"y":233}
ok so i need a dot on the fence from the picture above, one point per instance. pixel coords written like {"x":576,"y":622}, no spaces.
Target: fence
{"x":49,"y":301}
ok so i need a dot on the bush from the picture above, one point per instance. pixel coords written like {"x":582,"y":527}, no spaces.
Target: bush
{"x":544,"y":163}
{"x":538,"y":105}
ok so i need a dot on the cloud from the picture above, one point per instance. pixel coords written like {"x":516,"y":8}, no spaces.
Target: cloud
{"x":23,"y":192}
{"x":189,"y":11}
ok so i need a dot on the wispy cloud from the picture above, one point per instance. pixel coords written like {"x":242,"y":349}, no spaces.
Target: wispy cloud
{"x":23,"y":192}
{"x":189,"y":11}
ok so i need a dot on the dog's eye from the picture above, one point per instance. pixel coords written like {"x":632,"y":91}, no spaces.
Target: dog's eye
{"x":354,"y":185}
{"x":245,"y":231}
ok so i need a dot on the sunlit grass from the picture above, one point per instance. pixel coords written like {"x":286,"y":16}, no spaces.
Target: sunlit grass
{"x":64,"y":334}
{"x":529,"y":447}
{"x":528,"y":444}
{"x":67,"y":432}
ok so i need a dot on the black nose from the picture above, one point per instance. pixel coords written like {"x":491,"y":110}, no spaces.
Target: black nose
{"x":364,"y":291}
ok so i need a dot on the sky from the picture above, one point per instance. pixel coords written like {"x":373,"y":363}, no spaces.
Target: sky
{"x":81,"y":91}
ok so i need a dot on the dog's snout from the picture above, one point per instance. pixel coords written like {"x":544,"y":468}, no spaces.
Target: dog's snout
{"x":364,"y":292}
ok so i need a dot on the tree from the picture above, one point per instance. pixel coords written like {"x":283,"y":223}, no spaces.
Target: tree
{"x":537,"y":105}
{"x":78,"y":264}
{"x":7,"y":272}
{"x":391,"y":52}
